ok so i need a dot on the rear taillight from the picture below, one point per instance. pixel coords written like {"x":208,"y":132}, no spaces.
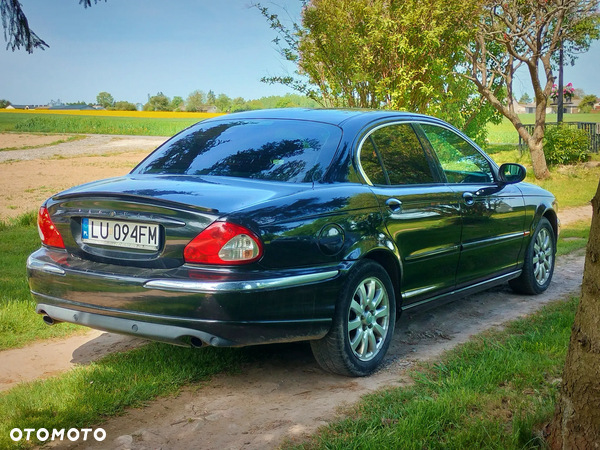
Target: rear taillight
{"x":224,"y":243}
{"x":48,"y":232}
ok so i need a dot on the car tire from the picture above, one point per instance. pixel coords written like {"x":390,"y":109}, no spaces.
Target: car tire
{"x":363,"y":323}
{"x":539,"y":261}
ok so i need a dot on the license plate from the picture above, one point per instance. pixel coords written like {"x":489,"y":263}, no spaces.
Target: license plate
{"x":120,"y":234}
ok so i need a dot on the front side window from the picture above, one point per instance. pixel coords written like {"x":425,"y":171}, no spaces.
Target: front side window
{"x":460,"y":161}
{"x":393,"y":155}
{"x":280,"y":150}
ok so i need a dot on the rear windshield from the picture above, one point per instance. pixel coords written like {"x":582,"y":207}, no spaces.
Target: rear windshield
{"x":295,"y":151}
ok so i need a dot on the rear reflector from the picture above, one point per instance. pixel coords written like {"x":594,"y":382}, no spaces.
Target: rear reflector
{"x":48,"y":232}
{"x":224,"y":243}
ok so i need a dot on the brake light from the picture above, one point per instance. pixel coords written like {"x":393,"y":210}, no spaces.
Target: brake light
{"x":48,"y":232}
{"x":224,"y":243}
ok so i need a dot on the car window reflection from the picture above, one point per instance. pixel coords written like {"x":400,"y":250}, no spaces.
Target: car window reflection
{"x":278,"y":150}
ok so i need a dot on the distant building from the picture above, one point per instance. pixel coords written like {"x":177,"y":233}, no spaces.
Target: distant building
{"x":23,"y":106}
{"x":519,"y":109}
{"x":209,"y":109}
{"x":72,"y":108}
{"x":530,"y":108}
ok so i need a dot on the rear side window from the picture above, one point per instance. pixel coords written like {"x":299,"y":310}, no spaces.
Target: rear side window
{"x":393,"y":155}
{"x":280,"y":150}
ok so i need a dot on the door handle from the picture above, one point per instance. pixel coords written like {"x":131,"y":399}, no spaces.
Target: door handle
{"x":394,"y":204}
{"x":468,"y":198}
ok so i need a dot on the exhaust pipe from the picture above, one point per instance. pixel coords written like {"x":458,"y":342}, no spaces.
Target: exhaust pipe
{"x":197,"y":343}
{"x":48,"y":320}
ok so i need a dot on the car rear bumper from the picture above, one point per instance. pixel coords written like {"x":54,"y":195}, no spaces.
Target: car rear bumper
{"x":186,"y":305}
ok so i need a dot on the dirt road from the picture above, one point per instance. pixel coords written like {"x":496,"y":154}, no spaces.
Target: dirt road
{"x":287,"y":396}
{"x":30,"y":176}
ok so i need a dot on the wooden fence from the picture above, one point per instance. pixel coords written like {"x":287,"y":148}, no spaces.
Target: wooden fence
{"x":591,"y":128}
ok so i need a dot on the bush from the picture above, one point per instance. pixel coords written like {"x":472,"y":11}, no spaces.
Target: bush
{"x":565,"y":145}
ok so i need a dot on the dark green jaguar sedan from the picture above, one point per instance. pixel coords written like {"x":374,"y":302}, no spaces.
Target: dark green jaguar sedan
{"x":289,"y":225}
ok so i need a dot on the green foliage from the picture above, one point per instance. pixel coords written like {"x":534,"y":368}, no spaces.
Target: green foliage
{"x":565,"y":145}
{"x":177,"y":103}
{"x":380,"y":54}
{"x":196,"y":101}
{"x":104,"y":99}
{"x":211,"y":98}
{"x":4,"y":103}
{"x":525,"y":98}
{"x":223,"y":103}
{"x":158,"y":102}
{"x":124,"y":106}
{"x":587,"y":103}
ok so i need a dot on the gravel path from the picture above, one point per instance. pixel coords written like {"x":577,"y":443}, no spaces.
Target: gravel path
{"x":96,"y":144}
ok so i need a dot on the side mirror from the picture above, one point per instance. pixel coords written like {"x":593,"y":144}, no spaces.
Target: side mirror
{"x":510,"y":173}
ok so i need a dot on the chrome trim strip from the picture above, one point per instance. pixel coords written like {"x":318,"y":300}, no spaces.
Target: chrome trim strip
{"x":239,"y":286}
{"x":415,"y":292}
{"x":432,"y":253}
{"x":35,"y":264}
{"x":494,"y":240}
{"x":493,"y":281}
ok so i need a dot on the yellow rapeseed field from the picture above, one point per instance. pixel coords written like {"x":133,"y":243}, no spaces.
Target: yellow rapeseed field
{"x":138,"y":114}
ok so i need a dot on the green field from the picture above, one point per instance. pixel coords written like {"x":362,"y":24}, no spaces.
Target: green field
{"x":505,"y":133}
{"x":55,"y":123}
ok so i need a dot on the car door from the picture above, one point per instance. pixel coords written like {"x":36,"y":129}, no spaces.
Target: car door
{"x":493,"y":214}
{"x":422,"y":214}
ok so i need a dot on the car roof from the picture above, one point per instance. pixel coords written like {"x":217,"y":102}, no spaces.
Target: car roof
{"x":331,"y":116}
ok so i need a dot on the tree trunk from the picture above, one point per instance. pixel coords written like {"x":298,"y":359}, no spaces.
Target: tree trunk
{"x":538,"y":158}
{"x":576,"y":424}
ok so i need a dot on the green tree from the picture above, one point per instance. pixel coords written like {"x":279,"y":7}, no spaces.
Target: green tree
{"x":587,"y":103}
{"x":4,"y":103}
{"x":525,"y":98}
{"x":527,"y":33}
{"x":104,"y":99}
{"x":385,"y":54}
{"x":158,"y":102}
{"x":124,"y":106}
{"x":196,"y":101}
{"x":223,"y":103}
{"x":17,"y":33}
{"x":238,"y":104}
{"x":211,"y":99}
{"x":177,"y":103}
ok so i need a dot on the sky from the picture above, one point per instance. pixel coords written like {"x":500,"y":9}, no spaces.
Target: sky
{"x":132,"y":48}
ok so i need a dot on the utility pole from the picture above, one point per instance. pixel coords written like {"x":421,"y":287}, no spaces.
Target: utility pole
{"x":559,"y":102}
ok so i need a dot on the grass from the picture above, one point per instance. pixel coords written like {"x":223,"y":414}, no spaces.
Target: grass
{"x":493,"y":392}
{"x":87,"y":394}
{"x":505,"y":133}
{"x":60,"y":141}
{"x":572,"y":185}
{"x":19,"y":325}
{"x":97,"y":125}
{"x":573,"y":237}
